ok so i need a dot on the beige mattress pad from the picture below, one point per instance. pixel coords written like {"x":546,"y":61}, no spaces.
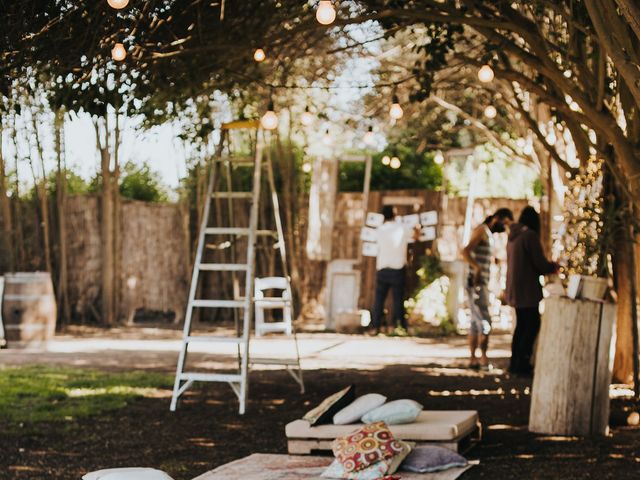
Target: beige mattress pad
{"x":431,"y":425}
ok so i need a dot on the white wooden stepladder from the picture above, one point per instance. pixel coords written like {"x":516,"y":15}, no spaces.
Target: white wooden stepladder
{"x":242,"y":303}
{"x":263,"y":303}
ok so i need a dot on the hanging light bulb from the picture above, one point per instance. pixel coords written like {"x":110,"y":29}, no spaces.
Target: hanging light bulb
{"x":528,"y":148}
{"x":326,"y":13}
{"x":327,"y":140}
{"x":259,"y":55}
{"x":118,"y":4}
{"x":485,"y":74}
{"x":369,"y":137}
{"x":395,"y":163}
{"x":490,"y":112}
{"x":306,"y":118}
{"x":269,"y":120}
{"x":396,"y":112}
{"x":118,"y":52}
{"x":386,"y":160}
{"x":306,"y":167}
{"x":438,"y":158}
{"x":551,"y":138}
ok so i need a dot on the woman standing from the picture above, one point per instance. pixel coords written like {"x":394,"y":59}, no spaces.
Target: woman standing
{"x":525,"y":263}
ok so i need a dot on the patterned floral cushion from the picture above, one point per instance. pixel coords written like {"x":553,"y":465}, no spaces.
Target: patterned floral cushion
{"x":376,"y":471}
{"x":366,"y":446}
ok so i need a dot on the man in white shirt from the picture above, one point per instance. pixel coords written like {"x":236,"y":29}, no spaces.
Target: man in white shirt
{"x":393,"y":240}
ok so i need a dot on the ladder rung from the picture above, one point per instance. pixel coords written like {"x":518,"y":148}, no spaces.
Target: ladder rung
{"x":223,"y":267}
{"x":211,"y":377}
{"x":219,"y":304}
{"x":274,"y":361}
{"x":212,"y":339}
{"x":226,"y":231}
{"x":272,"y":233}
{"x":232,"y":195}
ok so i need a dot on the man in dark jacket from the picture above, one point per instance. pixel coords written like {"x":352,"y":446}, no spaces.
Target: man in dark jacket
{"x":526,"y":262}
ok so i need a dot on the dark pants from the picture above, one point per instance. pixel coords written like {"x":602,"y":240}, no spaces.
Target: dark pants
{"x":527,"y":328}
{"x":389,"y":278}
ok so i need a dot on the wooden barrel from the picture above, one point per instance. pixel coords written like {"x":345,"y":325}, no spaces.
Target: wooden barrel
{"x":28,"y":309}
{"x":570,"y":391}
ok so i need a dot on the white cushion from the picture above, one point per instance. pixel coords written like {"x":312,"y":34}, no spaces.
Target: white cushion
{"x":430,"y":426}
{"x":394,"y":413}
{"x":361,"y":405}
{"x":127,"y":474}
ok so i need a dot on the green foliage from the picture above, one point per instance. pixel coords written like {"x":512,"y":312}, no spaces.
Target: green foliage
{"x":38,"y":394}
{"x":417,"y":171}
{"x":139,"y":182}
{"x":75,"y":184}
{"x":430,"y":269}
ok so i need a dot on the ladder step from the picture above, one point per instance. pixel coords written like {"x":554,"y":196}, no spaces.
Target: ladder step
{"x":274,"y":361}
{"x":211,"y":377}
{"x":232,"y":195}
{"x":212,"y":339}
{"x":223,"y":267}
{"x":226,"y":231}
{"x":219,"y":304}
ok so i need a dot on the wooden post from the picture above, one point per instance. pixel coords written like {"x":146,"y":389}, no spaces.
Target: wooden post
{"x":570,"y":393}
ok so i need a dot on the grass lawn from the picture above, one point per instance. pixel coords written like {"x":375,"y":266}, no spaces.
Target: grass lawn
{"x":34,"y":394}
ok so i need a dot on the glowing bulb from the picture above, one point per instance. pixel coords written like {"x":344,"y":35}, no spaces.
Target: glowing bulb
{"x":438,"y":158}
{"x":551,"y":138}
{"x":306,"y":167}
{"x":306,"y":118}
{"x":396,"y":111}
{"x":386,"y":160}
{"x":327,"y":140}
{"x":369,"y":137}
{"x":118,"y":52}
{"x":395,"y":163}
{"x":528,"y":148}
{"x":326,"y":13}
{"x":490,"y":112}
{"x":259,"y":55}
{"x":485,"y":74}
{"x":118,"y":4}
{"x":269,"y":120}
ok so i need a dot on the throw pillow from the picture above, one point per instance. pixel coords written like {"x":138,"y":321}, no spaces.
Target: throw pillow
{"x":394,"y":413}
{"x":367,"y":445}
{"x":127,"y":474}
{"x":324,"y":412}
{"x":432,"y":459}
{"x":360,"y":406}
{"x":376,"y":471}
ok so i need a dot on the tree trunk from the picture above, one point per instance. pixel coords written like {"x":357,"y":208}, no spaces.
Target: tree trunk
{"x":41,"y":187}
{"x":64,"y":310}
{"x":623,"y":359}
{"x":5,"y":214}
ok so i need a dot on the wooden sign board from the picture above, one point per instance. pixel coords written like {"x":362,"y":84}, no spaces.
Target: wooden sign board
{"x":429,"y":218}
{"x":411,"y":220}
{"x":402,"y":200}
{"x":369,"y":249}
{"x":374,"y":219}
{"x":427,"y":234}
{"x":368,"y":234}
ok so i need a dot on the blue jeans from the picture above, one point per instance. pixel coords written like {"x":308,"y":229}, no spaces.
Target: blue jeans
{"x":389,"y":278}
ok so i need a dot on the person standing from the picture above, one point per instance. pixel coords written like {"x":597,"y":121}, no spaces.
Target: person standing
{"x":526,"y":262}
{"x":478,"y":253}
{"x":393,"y":241}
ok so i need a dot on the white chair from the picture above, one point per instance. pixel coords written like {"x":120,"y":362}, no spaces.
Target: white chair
{"x":127,"y":474}
{"x":263,"y":303}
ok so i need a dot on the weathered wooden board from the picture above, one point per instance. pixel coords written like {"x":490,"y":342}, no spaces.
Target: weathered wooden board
{"x":570,"y":393}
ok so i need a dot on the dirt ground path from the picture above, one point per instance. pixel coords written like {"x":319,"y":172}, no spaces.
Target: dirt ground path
{"x":206,"y":431}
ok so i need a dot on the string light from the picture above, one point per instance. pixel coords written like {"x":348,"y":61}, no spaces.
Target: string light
{"x":326,"y":13}
{"x":395,"y":163}
{"x":396,"y":112}
{"x":490,"y":112}
{"x":386,"y":160}
{"x":306,"y":167}
{"x":369,"y":137}
{"x":118,"y":4}
{"x":269,"y":120}
{"x":259,"y":55}
{"x":438,"y":158}
{"x":118,"y":52}
{"x":485,"y":74}
{"x":306,"y":118}
{"x":551,"y":138}
{"x":326,"y":139}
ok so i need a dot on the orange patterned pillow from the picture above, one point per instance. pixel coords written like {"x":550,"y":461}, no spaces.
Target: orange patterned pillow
{"x":366,"y":446}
